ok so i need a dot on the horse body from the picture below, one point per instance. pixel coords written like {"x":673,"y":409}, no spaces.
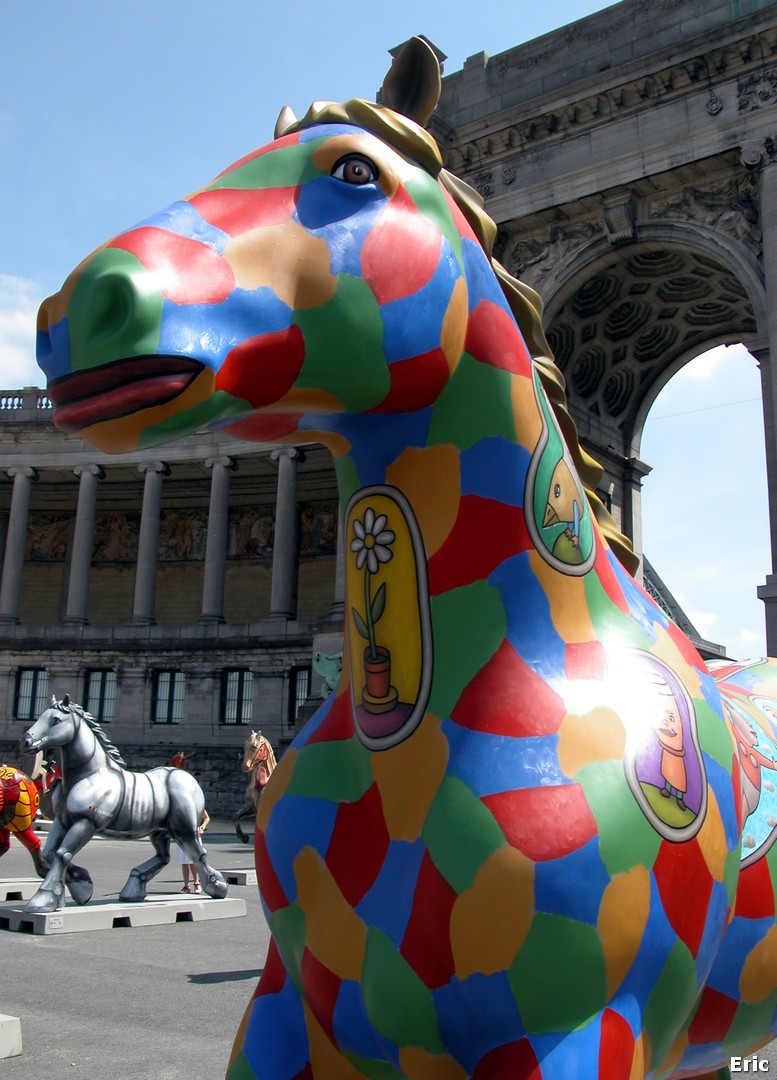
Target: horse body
{"x":99,"y":795}
{"x":510,"y":842}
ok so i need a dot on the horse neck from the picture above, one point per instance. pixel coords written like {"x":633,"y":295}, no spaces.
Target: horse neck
{"x":84,"y":753}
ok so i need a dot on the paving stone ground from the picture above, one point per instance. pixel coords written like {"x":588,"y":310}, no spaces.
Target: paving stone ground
{"x":146,"y":1003}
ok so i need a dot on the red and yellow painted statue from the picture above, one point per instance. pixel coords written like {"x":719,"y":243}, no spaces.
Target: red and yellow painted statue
{"x":19,"y":802}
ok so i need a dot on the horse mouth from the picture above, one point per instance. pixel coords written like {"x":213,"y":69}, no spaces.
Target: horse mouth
{"x":119,"y":389}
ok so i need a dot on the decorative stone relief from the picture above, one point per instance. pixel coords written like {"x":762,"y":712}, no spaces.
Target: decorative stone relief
{"x":731,"y":207}
{"x":758,"y":90}
{"x":532,"y":258}
{"x":619,"y":221}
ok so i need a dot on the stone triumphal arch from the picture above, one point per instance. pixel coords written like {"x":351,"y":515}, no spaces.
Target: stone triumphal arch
{"x":630,"y":162}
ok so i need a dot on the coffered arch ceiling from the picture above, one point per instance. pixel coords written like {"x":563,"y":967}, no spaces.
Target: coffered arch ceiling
{"x":627,"y":325}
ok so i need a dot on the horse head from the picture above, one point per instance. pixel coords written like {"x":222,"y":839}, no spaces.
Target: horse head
{"x":54,"y":727}
{"x":250,"y":750}
{"x":322,"y":275}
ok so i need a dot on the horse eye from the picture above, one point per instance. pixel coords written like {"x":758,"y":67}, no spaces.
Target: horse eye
{"x":355,"y":169}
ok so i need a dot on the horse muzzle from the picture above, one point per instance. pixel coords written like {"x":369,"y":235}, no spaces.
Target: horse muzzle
{"x":29,"y":744}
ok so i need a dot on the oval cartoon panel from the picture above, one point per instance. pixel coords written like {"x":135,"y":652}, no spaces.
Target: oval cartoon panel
{"x":388,"y":624}
{"x":752,"y":719}
{"x":555,"y":505}
{"x":663,"y":762}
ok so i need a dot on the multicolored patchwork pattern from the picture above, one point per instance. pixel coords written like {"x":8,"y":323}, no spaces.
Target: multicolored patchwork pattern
{"x":19,"y":802}
{"x":510,"y":844}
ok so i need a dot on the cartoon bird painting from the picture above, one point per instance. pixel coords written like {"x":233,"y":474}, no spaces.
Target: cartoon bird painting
{"x":564,"y":506}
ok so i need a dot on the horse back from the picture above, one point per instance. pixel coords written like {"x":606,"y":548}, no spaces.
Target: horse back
{"x":151,"y":799}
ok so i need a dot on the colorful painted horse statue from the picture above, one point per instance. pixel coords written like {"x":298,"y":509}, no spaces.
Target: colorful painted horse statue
{"x":259,"y":762}
{"x":510,"y":844}
{"x":99,"y":795}
{"x":19,"y":802}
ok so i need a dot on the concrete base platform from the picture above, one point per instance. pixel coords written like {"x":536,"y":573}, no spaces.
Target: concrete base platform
{"x":10,"y":1036}
{"x":114,"y":914}
{"x":240,"y":877}
{"x":18,"y":888}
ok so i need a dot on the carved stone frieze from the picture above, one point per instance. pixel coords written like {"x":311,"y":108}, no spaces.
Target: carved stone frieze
{"x":531,"y":258}
{"x":758,"y":90}
{"x":755,"y":89}
{"x":731,"y":206}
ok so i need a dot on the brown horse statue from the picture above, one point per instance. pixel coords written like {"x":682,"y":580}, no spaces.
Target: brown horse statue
{"x":258,"y":762}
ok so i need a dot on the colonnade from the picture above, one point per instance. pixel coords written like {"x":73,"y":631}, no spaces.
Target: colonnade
{"x":283,"y":595}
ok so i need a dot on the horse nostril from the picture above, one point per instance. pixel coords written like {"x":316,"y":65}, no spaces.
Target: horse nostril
{"x":115,"y":310}
{"x":112,"y":306}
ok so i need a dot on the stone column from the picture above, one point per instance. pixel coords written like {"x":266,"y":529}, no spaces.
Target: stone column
{"x":148,"y":542}
{"x":216,"y":541}
{"x":83,"y":540}
{"x":13,"y":562}
{"x":338,"y":604}
{"x":754,"y":156}
{"x":283,"y":593}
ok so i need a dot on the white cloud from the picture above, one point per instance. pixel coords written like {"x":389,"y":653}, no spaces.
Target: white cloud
{"x":709,"y":364}
{"x":19,"y":303}
{"x":706,"y":622}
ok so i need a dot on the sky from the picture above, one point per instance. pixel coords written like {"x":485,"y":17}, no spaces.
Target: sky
{"x":111,"y":109}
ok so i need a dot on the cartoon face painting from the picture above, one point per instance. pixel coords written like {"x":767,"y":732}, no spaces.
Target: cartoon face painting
{"x":663,"y":764}
{"x":669,"y":731}
{"x":756,"y":751}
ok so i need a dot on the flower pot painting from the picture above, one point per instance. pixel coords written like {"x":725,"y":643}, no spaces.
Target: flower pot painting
{"x":388,"y":629}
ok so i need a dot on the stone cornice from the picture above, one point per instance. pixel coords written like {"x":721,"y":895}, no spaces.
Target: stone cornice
{"x":752,"y":62}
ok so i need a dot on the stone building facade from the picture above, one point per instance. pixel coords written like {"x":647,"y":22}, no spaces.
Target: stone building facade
{"x":630,"y":162}
{"x":180,"y":599}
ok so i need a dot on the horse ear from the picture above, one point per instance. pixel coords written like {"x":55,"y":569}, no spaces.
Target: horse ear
{"x":53,"y":700}
{"x":285,"y":119}
{"x":412,"y":85}
{"x":66,"y":700}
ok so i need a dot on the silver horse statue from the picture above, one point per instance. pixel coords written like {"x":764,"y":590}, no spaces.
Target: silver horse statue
{"x":98,"y":794}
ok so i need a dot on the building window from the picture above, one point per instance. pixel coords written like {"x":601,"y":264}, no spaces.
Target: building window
{"x":100,"y":695}
{"x":299,"y":690}
{"x":167,"y":697}
{"x":237,"y":696}
{"x":32,"y":693}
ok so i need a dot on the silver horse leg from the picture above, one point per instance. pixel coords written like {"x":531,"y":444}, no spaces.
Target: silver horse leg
{"x":211,"y":880}
{"x":59,"y":852}
{"x":135,"y":888}
{"x":77,"y":878}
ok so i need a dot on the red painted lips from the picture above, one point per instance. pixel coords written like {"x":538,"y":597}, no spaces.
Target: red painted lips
{"x":115,"y":390}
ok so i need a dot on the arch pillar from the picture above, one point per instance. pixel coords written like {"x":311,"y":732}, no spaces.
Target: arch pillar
{"x":752,"y":156}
